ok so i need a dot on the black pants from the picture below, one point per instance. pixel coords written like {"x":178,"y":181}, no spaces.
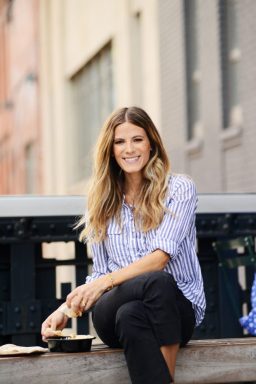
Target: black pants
{"x":141,"y":315}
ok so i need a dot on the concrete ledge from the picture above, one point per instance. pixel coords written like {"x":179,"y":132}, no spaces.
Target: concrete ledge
{"x":202,"y":361}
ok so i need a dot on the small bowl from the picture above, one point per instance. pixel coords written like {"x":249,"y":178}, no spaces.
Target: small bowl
{"x":67,"y":344}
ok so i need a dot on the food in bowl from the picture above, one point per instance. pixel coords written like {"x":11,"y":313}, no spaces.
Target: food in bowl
{"x":69,"y":344}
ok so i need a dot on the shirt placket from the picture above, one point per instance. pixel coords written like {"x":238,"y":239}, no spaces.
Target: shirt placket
{"x":131,"y":234}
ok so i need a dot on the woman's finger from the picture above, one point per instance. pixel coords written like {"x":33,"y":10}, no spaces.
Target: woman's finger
{"x":83,"y":304}
{"x":54,"y":324}
{"x":76,"y":292}
{"x":76,"y":304}
{"x":70,"y":297}
{"x":89,"y":304}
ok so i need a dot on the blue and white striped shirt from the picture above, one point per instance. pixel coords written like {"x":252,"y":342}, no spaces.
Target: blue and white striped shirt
{"x":176,"y":235}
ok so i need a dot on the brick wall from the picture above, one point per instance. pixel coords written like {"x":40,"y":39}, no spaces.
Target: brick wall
{"x":19,"y":123}
{"x":240,"y":161}
{"x":216,"y":164}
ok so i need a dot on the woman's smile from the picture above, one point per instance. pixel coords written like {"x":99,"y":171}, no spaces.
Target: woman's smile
{"x":133,"y":159}
{"x":131,"y":147}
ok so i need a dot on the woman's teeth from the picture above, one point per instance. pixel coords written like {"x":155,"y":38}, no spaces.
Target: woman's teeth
{"x":131,"y":159}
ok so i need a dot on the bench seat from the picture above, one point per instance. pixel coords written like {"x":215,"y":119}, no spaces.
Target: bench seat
{"x":201,"y":361}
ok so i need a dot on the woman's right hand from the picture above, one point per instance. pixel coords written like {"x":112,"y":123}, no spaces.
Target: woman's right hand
{"x":56,"y":321}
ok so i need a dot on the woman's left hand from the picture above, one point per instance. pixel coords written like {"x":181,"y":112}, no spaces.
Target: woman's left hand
{"x":85,"y":296}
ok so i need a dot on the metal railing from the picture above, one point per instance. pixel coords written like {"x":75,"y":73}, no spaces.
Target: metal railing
{"x":28,"y":278}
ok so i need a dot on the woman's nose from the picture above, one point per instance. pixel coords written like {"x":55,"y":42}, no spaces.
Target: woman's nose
{"x":129,"y":147}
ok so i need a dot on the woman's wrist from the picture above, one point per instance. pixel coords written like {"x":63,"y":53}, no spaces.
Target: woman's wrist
{"x":111,"y":279}
{"x":109,"y":282}
{"x":63,"y":309}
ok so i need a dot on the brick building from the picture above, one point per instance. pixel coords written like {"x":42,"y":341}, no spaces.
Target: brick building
{"x":190,"y":63}
{"x":208,"y":78}
{"x":20,"y":153}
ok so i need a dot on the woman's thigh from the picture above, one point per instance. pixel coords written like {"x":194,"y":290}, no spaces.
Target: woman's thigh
{"x":104,"y":312}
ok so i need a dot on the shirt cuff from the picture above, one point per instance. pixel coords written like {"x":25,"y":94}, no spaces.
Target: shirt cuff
{"x":168,"y":246}
{"x":93,"y":277}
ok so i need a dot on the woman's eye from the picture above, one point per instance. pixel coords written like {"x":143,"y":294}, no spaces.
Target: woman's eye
{"x":138,"y":139}
{"x":118,"y":142}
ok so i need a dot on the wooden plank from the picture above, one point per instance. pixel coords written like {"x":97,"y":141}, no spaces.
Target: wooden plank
{"x":217,"y":361}
{"x":102,"y":368}
{"x":204,"y":361}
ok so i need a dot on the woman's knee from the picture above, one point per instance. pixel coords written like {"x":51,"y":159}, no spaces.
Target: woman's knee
{"x":161,"y":282}
{"x":128,"y":311}
{"x":129,"y":317}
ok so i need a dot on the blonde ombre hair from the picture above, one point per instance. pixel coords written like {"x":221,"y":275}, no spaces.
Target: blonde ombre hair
{"x":105,"y":196}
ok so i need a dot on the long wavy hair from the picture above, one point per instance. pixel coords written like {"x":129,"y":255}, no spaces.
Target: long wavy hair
{"x":105,"y":196}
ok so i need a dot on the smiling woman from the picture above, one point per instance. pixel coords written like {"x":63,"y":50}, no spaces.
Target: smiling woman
{"x":146,"y":287}
{"x":130,"y":162}
{"x":131,"y":148}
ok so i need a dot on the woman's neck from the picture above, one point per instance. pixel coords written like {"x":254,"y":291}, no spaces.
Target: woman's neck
{"x":132,"y":188}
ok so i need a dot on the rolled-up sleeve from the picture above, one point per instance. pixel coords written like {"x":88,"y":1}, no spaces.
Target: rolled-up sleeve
{"x":178,"y":219}
{"x":100,"y":261}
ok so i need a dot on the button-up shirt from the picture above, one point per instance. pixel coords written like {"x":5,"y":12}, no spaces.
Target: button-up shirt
{"x":176,"y":235}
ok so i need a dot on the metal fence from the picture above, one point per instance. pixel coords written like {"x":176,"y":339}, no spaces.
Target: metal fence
{"x":28,"y":278}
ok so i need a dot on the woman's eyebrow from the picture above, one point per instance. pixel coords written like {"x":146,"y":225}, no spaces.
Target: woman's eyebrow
{"x":133,"y":137}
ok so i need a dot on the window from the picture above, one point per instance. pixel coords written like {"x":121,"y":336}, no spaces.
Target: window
{"x":136,"y":58}
{"x":230,"y":59}
{"x":92,"y":101}
{"x":192,"y":67}
{"x":30,"y":161}
{"x":3,"y":73}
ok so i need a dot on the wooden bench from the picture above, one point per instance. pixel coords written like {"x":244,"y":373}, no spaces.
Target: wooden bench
{"x":201,"y":361}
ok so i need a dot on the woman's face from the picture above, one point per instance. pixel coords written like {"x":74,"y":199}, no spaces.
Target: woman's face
{"x":131,"y":147}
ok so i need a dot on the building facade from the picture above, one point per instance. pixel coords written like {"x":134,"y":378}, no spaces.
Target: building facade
{"x":189,"y":63}
{"x":208,"y":72}
{"x":20,"y":140}
{"x":94,"y":58}
{"x":66,"y":64}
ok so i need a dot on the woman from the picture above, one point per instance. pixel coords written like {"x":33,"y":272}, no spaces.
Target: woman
{"x":146,"y":287}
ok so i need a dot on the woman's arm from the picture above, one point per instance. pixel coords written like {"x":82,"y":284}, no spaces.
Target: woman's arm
{"x":85,"y":296}
{"x":179,"y":220}
{"x":155,"y":261}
